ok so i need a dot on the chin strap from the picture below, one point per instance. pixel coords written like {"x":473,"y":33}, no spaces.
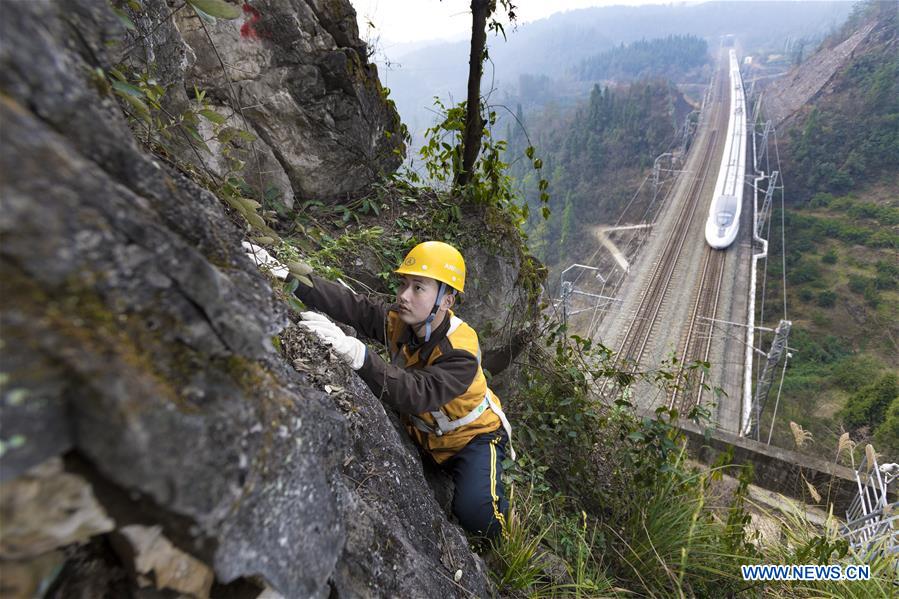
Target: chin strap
{"x":440,"y":293}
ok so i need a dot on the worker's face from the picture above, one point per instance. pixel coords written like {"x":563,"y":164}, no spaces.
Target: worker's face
{"x":415,"y":297}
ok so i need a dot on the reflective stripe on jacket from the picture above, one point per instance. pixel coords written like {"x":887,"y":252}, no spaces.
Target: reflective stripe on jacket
{"x":459,"y":336}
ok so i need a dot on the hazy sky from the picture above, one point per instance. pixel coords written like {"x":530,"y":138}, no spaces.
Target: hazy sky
{"x":403,"y":21}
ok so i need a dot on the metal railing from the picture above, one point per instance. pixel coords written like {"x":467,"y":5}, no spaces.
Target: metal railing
{"x":872,"y":521}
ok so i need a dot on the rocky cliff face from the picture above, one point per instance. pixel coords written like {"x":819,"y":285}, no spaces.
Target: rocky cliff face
{"x":209,"y":447}
{"x":294,"y":74}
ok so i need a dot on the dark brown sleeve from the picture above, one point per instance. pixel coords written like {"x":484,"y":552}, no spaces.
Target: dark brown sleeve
{"x":368,"y":317}
{"x":420,"y":390}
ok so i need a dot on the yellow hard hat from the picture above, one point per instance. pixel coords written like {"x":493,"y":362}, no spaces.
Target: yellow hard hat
{"x":435,"y":260}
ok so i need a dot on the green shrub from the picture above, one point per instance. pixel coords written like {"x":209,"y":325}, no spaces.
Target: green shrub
{"x":827,"y":298}
{"x":825,"y":349}
{"x":860,"y":284}
{"x":805,"y":272}
{"x":887,"y":275}
{"x":821,"y":320}
{"x":821,"y":200}
{"x":883,"y":238}
{"x":866,"y":287}
{"x":872,"y":298}
{"x":887,"y":434}
{"x":854,"y":372}
{"x":868,"y":406}
{"x":830,"y":257}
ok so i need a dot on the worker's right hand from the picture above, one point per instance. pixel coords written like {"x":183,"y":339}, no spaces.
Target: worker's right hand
{"x":350,"y":349}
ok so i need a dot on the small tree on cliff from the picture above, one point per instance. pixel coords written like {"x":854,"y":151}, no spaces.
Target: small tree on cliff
{"x":461,"y":147}
{"x":481,"y":10}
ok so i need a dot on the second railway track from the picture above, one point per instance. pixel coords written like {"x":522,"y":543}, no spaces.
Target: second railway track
{"x":638,"y":332}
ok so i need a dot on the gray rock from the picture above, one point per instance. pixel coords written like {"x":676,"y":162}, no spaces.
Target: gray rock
{"x":297,"y":76}
{"x":805,"y":82}
{"x":497,"y":305}
{"x":141,"y":336}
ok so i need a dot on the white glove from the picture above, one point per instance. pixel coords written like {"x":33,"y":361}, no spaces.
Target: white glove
{"x":350,"y":349}
{"x":262,"y":258}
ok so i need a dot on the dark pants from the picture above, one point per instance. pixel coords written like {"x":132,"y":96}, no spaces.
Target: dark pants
{"x":480,"y":500}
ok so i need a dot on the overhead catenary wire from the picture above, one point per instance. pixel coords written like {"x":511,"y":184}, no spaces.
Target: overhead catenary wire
{"x":783,"y":234}
{"x":783,"y":249}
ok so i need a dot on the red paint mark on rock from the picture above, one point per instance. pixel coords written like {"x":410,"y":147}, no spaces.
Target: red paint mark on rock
{"x":248,"y":29}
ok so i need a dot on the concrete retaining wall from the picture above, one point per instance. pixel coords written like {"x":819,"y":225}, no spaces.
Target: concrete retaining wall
{"x":776,"y":469}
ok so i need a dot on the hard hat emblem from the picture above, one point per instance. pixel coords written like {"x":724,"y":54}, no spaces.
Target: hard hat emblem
{"x":409,"y":261}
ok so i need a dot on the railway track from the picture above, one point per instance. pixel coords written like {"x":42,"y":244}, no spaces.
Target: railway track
{"x":696,"y":343}
{"x":639,"y":330}
{"x":693,"y":344}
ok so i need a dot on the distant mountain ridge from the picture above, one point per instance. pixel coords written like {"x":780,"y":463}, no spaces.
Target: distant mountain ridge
{"x":556,"y":45}
{"x":672,"y":57}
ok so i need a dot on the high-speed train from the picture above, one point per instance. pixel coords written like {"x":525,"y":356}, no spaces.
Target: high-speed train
{"x":723,"y":222}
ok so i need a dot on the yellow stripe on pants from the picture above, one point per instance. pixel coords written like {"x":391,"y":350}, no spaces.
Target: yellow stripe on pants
{"x":499,"y":516}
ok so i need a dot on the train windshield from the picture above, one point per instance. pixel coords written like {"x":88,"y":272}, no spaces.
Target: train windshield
{"x":727,"y":208}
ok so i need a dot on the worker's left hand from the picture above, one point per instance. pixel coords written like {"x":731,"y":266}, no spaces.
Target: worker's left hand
{"x":350,"y":349}
{"x":261,"y":258}
{"x":264,"y":260}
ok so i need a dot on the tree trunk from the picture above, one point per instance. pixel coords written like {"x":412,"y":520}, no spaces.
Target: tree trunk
{"x":474,"y":124}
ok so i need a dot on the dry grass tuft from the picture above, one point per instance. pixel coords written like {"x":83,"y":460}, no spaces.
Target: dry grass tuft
{"x":800,"y":435}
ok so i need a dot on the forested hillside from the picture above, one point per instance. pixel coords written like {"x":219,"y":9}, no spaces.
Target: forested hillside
{"x":851,"y":136}
{"x":840,"y":164}
{"x":595,"y":158}
{"x":673,"y":57}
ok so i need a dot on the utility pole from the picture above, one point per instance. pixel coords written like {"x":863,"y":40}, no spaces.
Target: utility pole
{"x":763,"y":387}
{"x":567,"y":290}
{"x":566,"y":298}
{"x":657,"y":170}
{"x":763,"y":149}
{"x":689,"y":130}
